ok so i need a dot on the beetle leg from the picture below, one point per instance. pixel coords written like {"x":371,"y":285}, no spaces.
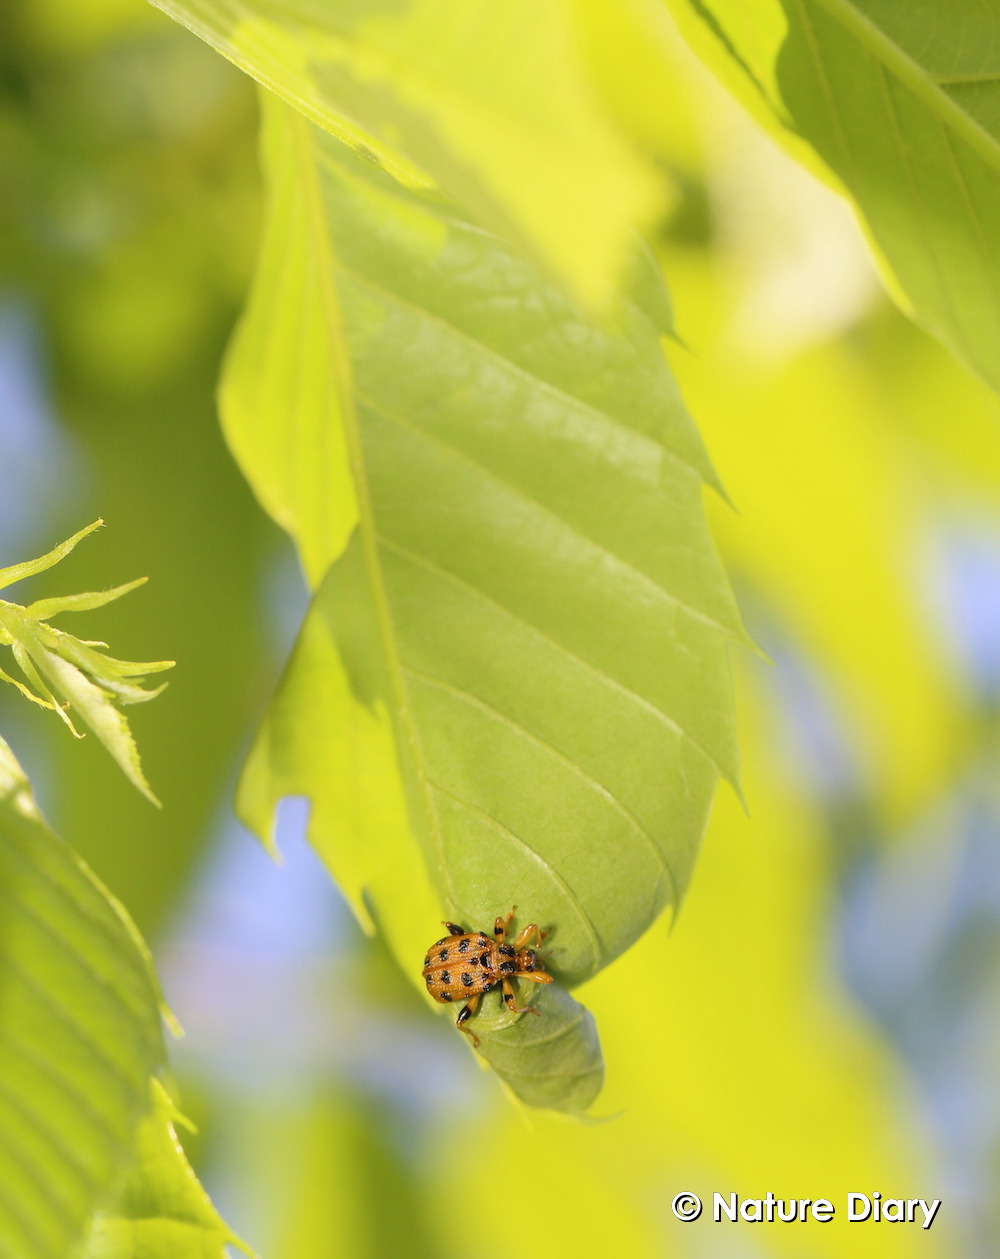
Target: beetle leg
{"x":532,"y":929}
{"x":508,"y":1000}
{"x":454,"y":929}
{"x":501,"y":925}
{"x":466,"y":1013}
{"x":535,"y":976}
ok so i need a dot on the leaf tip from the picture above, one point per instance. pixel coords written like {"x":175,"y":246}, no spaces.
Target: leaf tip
{"x":138,"y":780}
{"x":171,"y":1020}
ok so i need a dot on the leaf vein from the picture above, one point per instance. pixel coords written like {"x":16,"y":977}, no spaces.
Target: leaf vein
{"x":123,"y":992}
{"x":63,"y":1016}
{"x":670,"y":722}
{"x":589,"y":929}
{"x":573,"y":1073}
{"x":918,"y":204}
{"x":42,"y":1179}
{"x":572,"y":529}
{"x":64,"y":1085}
{"x":544,"y":1040}
{"x":892,"y":57}
{"x":531,"y":736}
{"x":536,"y":382}
{"x":27,"y":1225}
{"x":979,"y":230}
{"x":87,"y":964}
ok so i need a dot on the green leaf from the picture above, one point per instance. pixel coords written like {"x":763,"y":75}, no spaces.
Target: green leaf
{"x":498,"y":105}
{"x":520,"y":659}
{"x":319,"y":741}
{"x":67,"y":672}
{"x":31,"y":568}
{"x":554,"y":1056}
{"x":45,"y":609}
{"x":902,"y":102}
{"x":79,"y":1032}
{"x":280,"y":364}
{"x":160,"y":1210}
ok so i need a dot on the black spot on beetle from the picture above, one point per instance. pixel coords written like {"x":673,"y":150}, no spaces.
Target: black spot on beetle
{"x":485,"y":961}
{"x":443,"y":955}
{"x":463,"y":946}
{"x":467,"y":979}
{"x":446,"y":977}
{"x":445,"y":996}
{"x":508,"y":968}
{"x":427,"y":961}
{"x":506,"y":950}
{"x":430,"y":980}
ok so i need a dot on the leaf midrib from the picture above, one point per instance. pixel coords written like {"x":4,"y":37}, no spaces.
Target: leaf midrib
{"x":366,"y":523}
{"x":917,"y":77}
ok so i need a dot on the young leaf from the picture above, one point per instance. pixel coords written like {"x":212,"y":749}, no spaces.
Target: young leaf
{"x":496,"y":104}
{"x":902,"y":102}
{"x":527,"y":630}
{"x":160,"y":1210}
{"x":31,"y":568}
{"x":79,"y":1032}
{"x":66,"y":672}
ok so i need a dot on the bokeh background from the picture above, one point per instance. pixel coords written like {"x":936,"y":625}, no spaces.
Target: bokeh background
{"x":823,"y":1015}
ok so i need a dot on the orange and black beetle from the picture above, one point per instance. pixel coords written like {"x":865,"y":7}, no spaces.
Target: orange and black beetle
{"x":467,"y":964}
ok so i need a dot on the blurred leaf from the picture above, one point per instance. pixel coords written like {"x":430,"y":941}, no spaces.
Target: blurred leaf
{"x":501,"y":106}
{"x":341,"y":1173}
{"x":520,"y":658}
{"x":902,"y":102}
{"x":831,"y":522}
{"x":930,"y":397}
{"x":129,"y":234}
{"x":79,"y":1032}
{"x":66,"y":672}
{"x":160,"y":1211}
{"x":351,"y":1182}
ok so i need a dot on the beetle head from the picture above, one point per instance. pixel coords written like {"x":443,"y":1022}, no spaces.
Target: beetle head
{"x":528,"y":960}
